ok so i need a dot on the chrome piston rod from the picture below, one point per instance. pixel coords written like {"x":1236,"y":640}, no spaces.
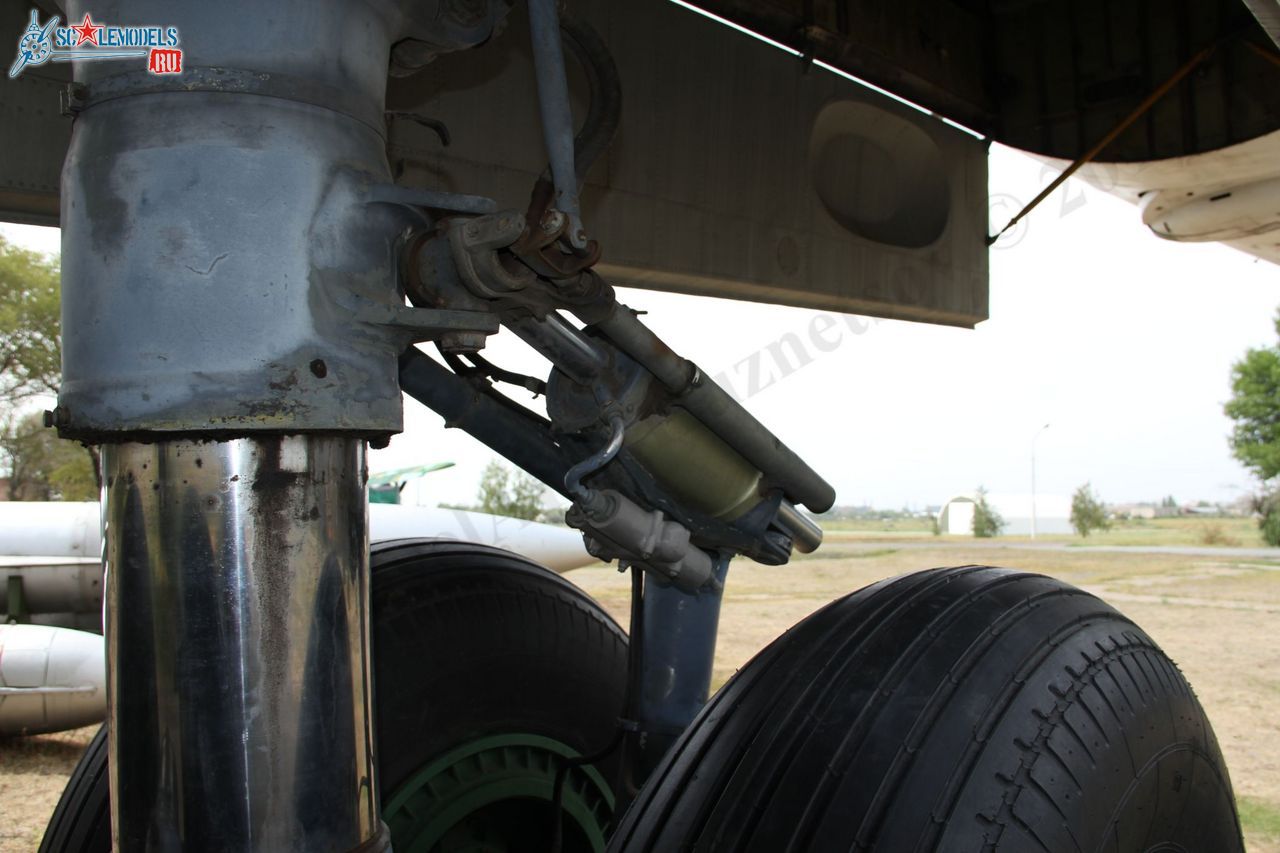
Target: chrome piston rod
{"x":237,"y":635}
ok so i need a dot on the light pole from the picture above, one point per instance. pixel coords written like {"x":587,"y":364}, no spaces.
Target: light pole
{"x":1033,"y":478}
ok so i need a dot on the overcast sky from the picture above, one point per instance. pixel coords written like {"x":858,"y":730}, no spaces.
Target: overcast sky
{"x":1119,"y":340}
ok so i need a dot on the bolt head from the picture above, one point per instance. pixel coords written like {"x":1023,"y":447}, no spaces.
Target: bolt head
{"x":552,"y":222}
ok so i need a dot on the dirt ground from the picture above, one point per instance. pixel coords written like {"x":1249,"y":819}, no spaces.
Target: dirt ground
{"x":1218,"y":618}
{"x":33,"y":772}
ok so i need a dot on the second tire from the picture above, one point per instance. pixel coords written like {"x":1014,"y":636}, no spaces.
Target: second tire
{"x":970,"y":709}
{"x":489,"y":671}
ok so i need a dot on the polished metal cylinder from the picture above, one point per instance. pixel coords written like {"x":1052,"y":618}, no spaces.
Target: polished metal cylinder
{"x":238,"y":646}
{"x":804,"y":531}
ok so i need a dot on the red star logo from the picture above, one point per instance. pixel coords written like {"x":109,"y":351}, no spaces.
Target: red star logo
{"x":87,"y":31}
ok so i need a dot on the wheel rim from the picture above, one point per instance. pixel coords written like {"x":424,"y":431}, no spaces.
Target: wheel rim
{"x":493,"y":795}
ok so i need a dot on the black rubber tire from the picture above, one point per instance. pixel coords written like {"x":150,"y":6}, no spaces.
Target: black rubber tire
{"x":481,"y":642}
{"x":967,"y":709}
{"x":468,"y":640}
{"x":81,"y":822}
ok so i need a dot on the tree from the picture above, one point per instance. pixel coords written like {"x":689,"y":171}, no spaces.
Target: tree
{"x":30,"y":333}
{"x":1255,"y":440}
{"x":31,"y":368}
{"x":1268,"y":509}
{"x":43,"y":467}
{"x":510,"y":493}
{"x":1255,"y":408}
{"x":986,"y":521}
{"x":1087,"y":511}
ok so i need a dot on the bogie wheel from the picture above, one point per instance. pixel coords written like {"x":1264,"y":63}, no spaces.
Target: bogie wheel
{"x":968,"y":709}
{"x":489,"y":672}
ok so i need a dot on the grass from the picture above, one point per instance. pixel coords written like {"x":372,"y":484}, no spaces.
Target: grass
{"x":1189,"y":530}
{"x":1258,"y":818}
{"x":900,"y":526}
{"x":1228,"y":532}
{"x":867,"y":554}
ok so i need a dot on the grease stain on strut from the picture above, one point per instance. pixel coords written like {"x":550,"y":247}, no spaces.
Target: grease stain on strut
{"x":272,"y":486}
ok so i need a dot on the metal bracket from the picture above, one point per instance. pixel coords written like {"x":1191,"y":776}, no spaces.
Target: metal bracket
{"x":73,"y":98}
{"x":431,"y":199}
{"x":212,"y":78}
{"x":425,"y":324}
{"x":16,"y":601}
{"x":475,"y":244}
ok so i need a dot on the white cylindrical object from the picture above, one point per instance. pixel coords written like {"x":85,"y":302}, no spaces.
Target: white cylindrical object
{"x":50,"y":529}
{"x":51,"y":679}
{"x":1229,"y":214}
{"x":63,"y":529}
{"x":54,"y":584}
{"x":558,"y":548}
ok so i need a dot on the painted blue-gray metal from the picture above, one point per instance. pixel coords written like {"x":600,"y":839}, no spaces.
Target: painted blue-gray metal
{"x":230,"y":81}
{"x":493,"y":420}
{"x":679,"y":638}
{"x":433,"y":199}
{"x":556,"y":112}
{"x":230,"y":242}
{"x":596,"y":461}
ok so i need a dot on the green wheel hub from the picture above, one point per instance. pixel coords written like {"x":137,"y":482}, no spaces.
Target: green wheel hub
{"x":493,"y":795}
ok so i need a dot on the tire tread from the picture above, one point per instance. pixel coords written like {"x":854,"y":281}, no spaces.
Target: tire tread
{"x":954,"y":709}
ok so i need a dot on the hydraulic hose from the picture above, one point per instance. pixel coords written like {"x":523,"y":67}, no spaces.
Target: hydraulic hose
{"x":594,"y":462}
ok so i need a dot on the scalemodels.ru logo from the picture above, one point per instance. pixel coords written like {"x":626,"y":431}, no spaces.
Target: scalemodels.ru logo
{"x":88,"y":41}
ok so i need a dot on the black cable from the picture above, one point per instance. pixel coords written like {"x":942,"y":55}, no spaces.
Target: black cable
{"x":626,"y":725}
{"x":557,"y":789}
{"x":456,"y":364}
{"x":604,"y":111}
{"x":492,"y":418}
{"x":604,"y":106}
{"x":481,"y":366}
{"x":530,"y":383}
{"x":627,"y":786}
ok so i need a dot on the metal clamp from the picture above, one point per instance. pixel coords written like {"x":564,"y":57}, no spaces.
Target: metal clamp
{"x":211,"y":78}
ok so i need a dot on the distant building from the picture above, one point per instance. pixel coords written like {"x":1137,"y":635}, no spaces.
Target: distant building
{"x":1143,"y":510}
{"x":1133,"y":510}
{"x":1053,"y":513}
